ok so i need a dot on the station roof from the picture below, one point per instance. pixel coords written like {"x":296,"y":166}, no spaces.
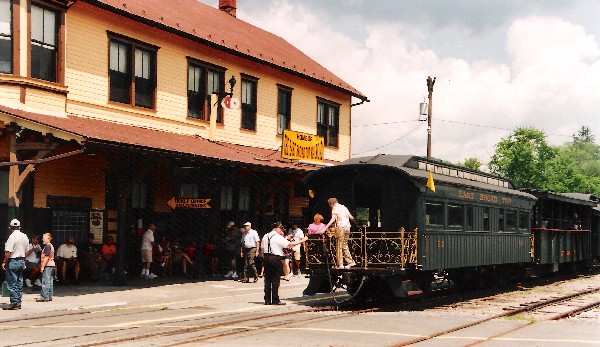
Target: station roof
{"x":102,"y":133}
{"x":212,"y":27}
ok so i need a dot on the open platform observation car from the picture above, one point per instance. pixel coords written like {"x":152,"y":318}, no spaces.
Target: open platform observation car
{"x":408,"y":239}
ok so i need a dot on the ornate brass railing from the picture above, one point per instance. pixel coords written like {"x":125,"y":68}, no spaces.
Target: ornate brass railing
{"x":368,"y":248}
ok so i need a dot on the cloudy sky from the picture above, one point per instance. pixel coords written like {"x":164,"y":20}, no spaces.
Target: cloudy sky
{"x":499,"y":64}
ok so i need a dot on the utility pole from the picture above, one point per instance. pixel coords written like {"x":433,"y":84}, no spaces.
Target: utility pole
{"x":430,"y":83}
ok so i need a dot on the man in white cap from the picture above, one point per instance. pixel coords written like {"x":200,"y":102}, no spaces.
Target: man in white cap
{"x":249,"y":251}
{"x":14,"y":263}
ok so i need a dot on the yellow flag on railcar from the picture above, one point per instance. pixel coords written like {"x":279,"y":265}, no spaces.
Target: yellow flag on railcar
{"x":430,"y":183}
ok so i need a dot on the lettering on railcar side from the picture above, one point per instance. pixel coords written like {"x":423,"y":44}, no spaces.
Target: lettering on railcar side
{"x":484,"y":197}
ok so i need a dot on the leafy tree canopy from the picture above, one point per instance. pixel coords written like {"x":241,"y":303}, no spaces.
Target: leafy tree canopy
{"x":471,"y":163}
{"x":528,"y":161}
{"x":523,"y":157}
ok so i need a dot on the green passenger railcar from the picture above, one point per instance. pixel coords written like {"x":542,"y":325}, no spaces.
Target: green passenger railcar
{"x":408,"y":234}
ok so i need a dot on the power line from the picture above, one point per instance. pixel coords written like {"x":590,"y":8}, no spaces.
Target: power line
{"x":389,"y":143}
{"x":455,"y":122}
{"x":386,"y":123}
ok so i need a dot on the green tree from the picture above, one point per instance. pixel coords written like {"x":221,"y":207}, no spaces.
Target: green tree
{"x":576,"y":166}
{"x":523,"y":157}
{"x":471,"y":163}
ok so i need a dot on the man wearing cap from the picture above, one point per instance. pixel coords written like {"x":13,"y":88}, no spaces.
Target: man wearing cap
{"x":273,"y":244}
{"x":14,"y":263}
{"x":250,"y":248}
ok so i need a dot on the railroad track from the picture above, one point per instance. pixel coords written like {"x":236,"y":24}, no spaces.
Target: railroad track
{"x":550,"y":309}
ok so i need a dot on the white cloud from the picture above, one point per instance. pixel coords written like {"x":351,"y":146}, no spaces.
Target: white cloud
{"x":552,"y":81}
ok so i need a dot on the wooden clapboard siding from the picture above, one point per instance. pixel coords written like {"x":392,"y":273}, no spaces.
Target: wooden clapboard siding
{"x":77,"y":176}
{"x":44,"y":101}
{"x":10,"y":95}
{"x":87,"y":79}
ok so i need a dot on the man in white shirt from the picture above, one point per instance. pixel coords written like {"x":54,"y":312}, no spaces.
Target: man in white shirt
{"x":14,"y":263}
{"x":67,"y":253}
{"x":297,"y":235}
{"x":341,"y":216}
{"x":147,"y":246}
{"x":250,"y":248}
{"x":273,"y":244}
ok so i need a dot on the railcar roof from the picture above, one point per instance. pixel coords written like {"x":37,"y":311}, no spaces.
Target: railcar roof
{"x":409,"y":164}
{"x":573,"y":198}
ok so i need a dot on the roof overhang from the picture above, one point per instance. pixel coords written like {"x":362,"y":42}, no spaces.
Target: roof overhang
{"x":94,"y":134}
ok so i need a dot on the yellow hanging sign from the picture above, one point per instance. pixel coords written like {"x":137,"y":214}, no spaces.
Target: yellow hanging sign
{"x":302,"y":146}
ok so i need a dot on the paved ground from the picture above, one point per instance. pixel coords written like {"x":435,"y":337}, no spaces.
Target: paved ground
{"x":162,"y":312}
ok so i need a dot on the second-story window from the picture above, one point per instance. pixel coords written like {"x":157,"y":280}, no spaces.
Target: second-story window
{"x":203,"y":81}
{"x":44,"y":43}
{"x":132,"y":74}
{"x":5,"y":36}
{"x":284,"y":109}
{"x":328,"y":116}
{"x":248,"y":103}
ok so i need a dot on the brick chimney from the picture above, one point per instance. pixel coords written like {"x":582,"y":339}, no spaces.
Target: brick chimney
{"x":228,"y":6}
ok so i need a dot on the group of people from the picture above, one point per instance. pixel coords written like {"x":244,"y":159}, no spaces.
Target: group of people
{"x":274,"y":246}
{"x":242,"y":248}
{"x":17,"y":248}
{"x":165,"y":254}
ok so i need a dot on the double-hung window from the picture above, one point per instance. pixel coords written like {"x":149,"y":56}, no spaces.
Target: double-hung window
{"x":248,"y":103}
{"x":328,"y":117}
{"x":132,"y":72}
{"x":284,"y":109}
{"x":203,"y":81}
{"x":44,"y":43}
{"x":6,"y":50}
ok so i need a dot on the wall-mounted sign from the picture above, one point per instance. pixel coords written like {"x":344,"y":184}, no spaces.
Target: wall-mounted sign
{"x":68,"y":202}
{"x":97,"y":225}
{"x":188,"y":203}
{"x":302,"y":146}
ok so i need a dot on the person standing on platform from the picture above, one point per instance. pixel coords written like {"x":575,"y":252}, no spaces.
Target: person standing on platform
{"x":47,"y":266}
{"x":147,"y":246}
{"x":273,"y":244}
{"x":249,"y":250}
{"x":298,"y":234}
{"x":14,"y":264}
{"x":341,"y":216}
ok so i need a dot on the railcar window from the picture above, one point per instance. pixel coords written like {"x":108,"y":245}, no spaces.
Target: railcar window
{"x":500,"y":220}
{"x":434,"y":215}
{"x":455,"y":217}
{"x":511,"y":221}
{"x":523,"y":221}
{"x":469,"y":218}
{"x":486,"y":219}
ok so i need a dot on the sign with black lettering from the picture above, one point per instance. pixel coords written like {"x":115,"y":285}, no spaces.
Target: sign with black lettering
{"x":188,"y":203}
{"x":302,"y":146}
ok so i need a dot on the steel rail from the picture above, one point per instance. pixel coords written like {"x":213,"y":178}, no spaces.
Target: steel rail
{"x":513,"y":312}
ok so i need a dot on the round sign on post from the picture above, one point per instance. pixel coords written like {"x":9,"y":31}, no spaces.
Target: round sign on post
{"x":229,"y":102}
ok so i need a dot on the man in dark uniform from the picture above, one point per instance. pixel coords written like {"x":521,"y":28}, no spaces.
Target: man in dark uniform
{"x":273,"y":244}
